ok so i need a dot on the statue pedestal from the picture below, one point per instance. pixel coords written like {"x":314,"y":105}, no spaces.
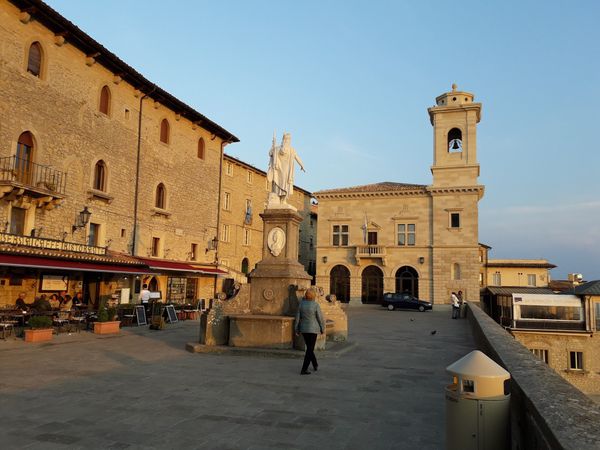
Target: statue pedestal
{"x":274,"y":281}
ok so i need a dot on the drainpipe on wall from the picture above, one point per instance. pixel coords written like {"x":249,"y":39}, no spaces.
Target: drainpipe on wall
{"x":134,"y":240}
{"x":223,"y":144}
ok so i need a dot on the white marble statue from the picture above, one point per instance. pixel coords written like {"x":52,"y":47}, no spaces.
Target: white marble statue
{"x":281,"y":172}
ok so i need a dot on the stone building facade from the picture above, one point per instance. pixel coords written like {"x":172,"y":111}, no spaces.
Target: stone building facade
{"x":243,"y":199}
{"x":392,"y":237}
{"x":80,"y":130}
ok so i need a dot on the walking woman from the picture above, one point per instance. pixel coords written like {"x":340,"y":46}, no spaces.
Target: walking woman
{"x":309,"y":322}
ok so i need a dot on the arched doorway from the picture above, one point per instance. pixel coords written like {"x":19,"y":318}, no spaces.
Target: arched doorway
{"x":245,"y":264}
{"x":339,"y":283}
{"x":407,"y":280}
{"x":372,"y":285}
{"x":153,"y":284}
{"x":24,"y":157}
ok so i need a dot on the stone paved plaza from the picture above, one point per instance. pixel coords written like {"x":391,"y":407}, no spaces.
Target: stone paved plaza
{"x":141,"y":389}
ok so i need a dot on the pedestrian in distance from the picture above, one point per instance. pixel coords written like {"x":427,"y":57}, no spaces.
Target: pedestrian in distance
{"x":462,"y":305}
{"x":455,"y":305}
{"x":309,"y":322}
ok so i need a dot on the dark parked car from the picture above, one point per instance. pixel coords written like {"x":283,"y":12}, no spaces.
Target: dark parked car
{"x":404,"y":301}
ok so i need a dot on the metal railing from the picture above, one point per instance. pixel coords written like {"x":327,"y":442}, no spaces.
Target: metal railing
{"x":28,"y":173}
{"x":370,"y":250}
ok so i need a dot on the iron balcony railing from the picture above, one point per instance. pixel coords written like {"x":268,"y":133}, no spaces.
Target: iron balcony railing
{"x":27,"y":173}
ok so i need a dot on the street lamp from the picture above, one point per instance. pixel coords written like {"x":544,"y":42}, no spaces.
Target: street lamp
{"x":82,"y":219}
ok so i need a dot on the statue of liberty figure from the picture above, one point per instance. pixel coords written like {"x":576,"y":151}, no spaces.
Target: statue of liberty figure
{"x":281,"y":172}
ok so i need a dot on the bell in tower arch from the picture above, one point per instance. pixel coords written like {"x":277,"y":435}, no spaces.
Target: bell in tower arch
{"x":455,"y":140}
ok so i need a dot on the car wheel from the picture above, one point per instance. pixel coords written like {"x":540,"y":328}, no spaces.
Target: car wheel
{"x":391,"y":307}
{"x":421,"y":308}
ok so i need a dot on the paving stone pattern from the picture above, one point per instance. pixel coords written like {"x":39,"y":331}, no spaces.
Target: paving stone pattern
{"x":141,"y":389}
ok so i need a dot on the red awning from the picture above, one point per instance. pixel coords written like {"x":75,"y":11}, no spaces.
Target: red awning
{"x":173,"y":266}
{"x":212,"y":271}
{"x":59,"y":264}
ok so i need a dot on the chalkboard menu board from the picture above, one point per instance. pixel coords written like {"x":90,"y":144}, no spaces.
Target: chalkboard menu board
{"x":171,"y":314}
{"x":140,"y":314}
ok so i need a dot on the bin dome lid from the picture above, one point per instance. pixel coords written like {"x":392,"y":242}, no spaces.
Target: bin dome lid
{"x":477,"y":364}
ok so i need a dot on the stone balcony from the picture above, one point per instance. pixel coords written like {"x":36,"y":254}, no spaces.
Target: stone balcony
{"x":370,"y":252}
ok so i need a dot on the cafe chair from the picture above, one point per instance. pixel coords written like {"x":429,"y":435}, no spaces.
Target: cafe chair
{"x":6,"y":328}
{"x":61,"y":321}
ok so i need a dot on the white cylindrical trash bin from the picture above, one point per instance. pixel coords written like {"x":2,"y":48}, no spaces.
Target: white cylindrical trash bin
{"x":477,"y":404}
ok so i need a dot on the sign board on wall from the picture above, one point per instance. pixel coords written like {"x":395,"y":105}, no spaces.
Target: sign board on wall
{"x":54,"y":283}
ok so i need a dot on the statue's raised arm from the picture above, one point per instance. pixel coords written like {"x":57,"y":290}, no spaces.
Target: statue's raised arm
{"x":282,"y":160}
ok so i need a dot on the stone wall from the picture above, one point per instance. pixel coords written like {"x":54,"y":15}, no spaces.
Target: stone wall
{"x":546,"y":411}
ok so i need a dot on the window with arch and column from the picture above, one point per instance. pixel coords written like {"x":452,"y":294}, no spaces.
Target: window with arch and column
{"x":104,"y":106}
{"x":407,"y":280}
{"x":201,"y":148}
{"x":160,"y":200}
{"x":99,"y":182}
{"x":35,"y":59}
{"x":339,"y":283}
{"x":164,"y":131}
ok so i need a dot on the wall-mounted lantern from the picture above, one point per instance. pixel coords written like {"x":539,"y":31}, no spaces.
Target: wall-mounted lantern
{"x":82,"y":219}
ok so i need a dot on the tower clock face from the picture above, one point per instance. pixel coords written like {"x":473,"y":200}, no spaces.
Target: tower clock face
{"x":455,"y":145}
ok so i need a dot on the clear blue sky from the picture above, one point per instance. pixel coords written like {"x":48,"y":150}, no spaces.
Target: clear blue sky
{"x":352,"y":81}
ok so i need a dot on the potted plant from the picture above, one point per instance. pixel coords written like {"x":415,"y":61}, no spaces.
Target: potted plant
{"x":40,"y":329}
{"x":108,"y":321}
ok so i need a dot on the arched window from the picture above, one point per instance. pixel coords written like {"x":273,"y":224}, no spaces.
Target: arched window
{"x":407,"y":280}
{"x":24,"y":157}
{"x":339,"y":283}
{"x":245,"y":265}
{"x":455,"y":140}
{"x":161,"y":197}
{"x":456,"y":271}
{"x":105,"y":100}
{"x":201,"y":148}
{"x":34,"y":59}
{"x":372,"y":285}
{"x":164,"y":131}
{"x":100,"y":176}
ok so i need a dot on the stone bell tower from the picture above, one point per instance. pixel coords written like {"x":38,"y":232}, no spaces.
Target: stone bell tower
{"x":455,"y":193}
{"x":454,"y":119}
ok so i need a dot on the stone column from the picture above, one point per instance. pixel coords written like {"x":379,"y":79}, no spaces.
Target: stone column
{"x":275,"y":277}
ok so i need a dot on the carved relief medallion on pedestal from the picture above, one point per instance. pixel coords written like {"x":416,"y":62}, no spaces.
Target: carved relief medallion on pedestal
{"x":268,"y":294}
{"x":276,"y":241}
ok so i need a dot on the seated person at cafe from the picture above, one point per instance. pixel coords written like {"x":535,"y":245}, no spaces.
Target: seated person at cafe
{"x":54,"y":301}
{"x":66,"y":304}
{"x":78,"y":300}
{"x":20,"y":302}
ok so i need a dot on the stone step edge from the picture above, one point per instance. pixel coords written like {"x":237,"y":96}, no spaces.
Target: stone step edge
{"x":337,"y":349}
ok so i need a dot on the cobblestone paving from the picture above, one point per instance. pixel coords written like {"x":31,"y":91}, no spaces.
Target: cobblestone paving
{"x":141,"y":389}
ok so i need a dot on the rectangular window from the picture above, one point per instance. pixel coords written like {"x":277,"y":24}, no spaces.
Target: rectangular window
{"x":249,"y":176}
{"x":597,"y":316}
{"x":497,"y":279}
{"x":531,"y":279}
{"x":340,"y":235}
{"x":194,"y":252}
{"x":17,"y":220}
{"x":226,"y":201}
{"x":225,"y":233}
{"x":454,"y":220}
{"x":576,"y":360}
{"x":407,"y":234}
{"x":372,"y":238}
{"x":93,"y":235}
{"x":573,"y":313}
{"x":541,"y":354}
{"x":155,"y":246}
{"x":229,"y":169}
{"x":246,"y":236}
